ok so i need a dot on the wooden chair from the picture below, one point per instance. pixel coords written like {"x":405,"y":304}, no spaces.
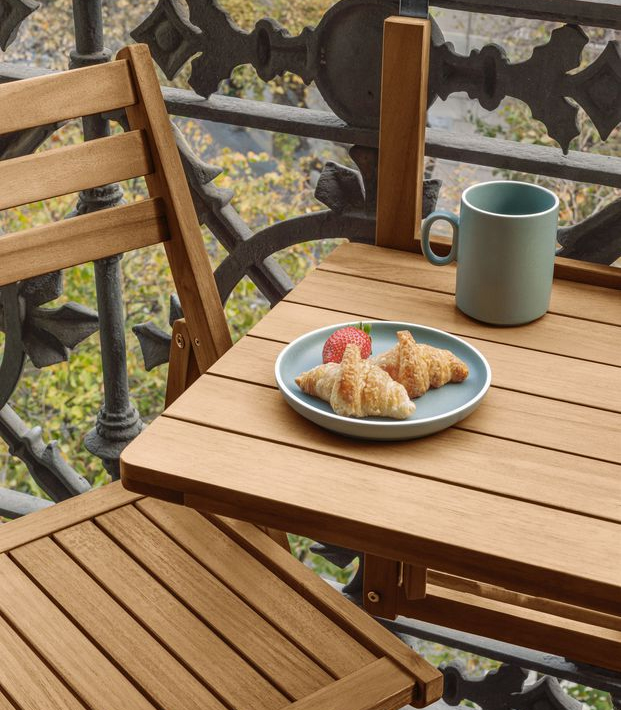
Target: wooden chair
{"x":114,"y":601}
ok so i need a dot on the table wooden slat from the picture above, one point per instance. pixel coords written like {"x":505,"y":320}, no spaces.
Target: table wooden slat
{"x":63,"y":646}
{"x":422,"y":521}
{"x":5,"y":704}
{"x":529,"y":371}
{"x":272,"y":598}
{"x":524,"y":418}
{"x":106,"y":622}
{"x":168,"y":619}
{"x":569,"y":298}
{"x":20,"y":667}
{"x":561,"y":335}
{"x":547,"y":423}
{"x":537,"y":475}
{"x":266,"y":648}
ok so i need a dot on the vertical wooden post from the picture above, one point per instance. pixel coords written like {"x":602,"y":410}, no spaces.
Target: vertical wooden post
{"x":405,"y":74}
{"x":380,"y":581}
{"x":182,"y":366}
{"x":414,"y":582}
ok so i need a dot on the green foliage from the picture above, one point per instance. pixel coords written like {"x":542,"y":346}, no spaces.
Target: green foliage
{"x":577,"y":200}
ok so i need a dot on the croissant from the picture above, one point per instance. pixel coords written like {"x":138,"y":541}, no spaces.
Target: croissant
{"x":356,"y":388}
{"x":418,"y":367}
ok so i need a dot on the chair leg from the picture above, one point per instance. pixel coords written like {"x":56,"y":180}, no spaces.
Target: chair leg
{"x":183,"y":368}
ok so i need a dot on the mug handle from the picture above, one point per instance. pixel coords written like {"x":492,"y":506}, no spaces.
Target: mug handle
{"x":434,"y":259}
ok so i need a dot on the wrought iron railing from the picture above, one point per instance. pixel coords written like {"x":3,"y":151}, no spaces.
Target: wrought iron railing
{"x":342,"y":56}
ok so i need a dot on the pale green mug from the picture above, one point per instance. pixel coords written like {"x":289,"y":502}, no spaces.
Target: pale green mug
{"x":504,"y":243}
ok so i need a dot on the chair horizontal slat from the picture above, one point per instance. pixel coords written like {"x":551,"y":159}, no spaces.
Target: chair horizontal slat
{"x":81,"y":239}
{"x":69,"y":512}
{"x":209,"y":657}
{"x":266,"y":648}
{"x":60,"y":644}
{"x":20,"y":667}
{"x":381,"y":685}
{"x":78,"y":167}
{"x":4,"y":703}
{"x":296,"y":618}
{"x":57,"y":97}
{"x":147,"y":662}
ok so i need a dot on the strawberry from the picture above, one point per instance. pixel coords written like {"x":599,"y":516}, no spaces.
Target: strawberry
{"x":335,"y":345}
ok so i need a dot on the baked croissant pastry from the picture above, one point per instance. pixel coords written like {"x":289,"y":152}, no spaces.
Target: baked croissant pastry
{"x":418,"y":367}
{"x":356,"y":388}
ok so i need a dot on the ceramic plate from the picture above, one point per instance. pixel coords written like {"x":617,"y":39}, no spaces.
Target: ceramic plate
{"x":435,"y":410}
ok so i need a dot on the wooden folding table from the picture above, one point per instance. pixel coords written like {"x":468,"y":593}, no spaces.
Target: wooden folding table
{"x":506,"y":525}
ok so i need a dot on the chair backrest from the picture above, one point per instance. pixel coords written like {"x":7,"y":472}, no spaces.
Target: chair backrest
{"x":148,"y":149}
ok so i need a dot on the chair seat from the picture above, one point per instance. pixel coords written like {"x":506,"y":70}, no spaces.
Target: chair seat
{"x":114,"y":601}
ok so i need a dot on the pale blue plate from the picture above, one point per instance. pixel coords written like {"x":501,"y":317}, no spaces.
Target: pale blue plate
{"x":436,"y":410}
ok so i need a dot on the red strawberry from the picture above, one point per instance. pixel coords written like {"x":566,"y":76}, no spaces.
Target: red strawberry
{"x":335,"y":345}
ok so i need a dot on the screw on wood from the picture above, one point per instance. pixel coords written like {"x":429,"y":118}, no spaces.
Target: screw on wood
{"x":373,"y":597}
{"x":180,"y":340}
{"x":197,"y":342}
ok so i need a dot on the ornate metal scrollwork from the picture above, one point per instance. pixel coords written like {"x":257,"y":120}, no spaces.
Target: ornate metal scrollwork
{"x":44,"y":334}
{"x":543,"y":81}
{"x":596,"y":239}
{"x":343,"y":54}
{"x":545,"y":694}
{"x":504,"y":689}
{"x":493,"y":691}
{"x":14,"y":504}
{"x":44,"y":461}
{"x":154,"y":342}
{"x":12,"y":14}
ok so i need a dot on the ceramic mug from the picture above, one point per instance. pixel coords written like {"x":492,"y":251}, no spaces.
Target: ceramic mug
{"x":504,"y":243}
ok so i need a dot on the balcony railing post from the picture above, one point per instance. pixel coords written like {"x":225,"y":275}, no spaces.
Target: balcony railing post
{"x":118,"y":421}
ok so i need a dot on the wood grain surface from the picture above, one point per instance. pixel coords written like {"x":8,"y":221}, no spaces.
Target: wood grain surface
{"x":403,"y":115}
{"x":381,"y":683}
{"x":204,"y":653}
{"x":186,"y":251}
{"x":538,"y":462}
{"x":68,"y":512}
{"x":57,"y":97}
{"x":561,"y":335}
{"x":113,"y":629}
{"x":50,"y":173}
{"x":530,"y":473}
{"x":63,"y":646}
{"x":580,"y":300}
{"x":211,"y":599}
{"x":20,"y":665}
{"x":406,"y":510}
{"x":84,"y":238}
{"x":263,"y":591}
